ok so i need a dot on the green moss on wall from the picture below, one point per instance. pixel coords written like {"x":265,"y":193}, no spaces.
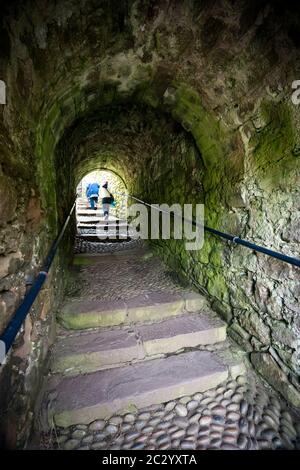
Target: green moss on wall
{"x":187,"y":108}
{"x":272,"y":158}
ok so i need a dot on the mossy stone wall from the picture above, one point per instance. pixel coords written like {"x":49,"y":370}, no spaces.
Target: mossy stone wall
{"x":188,"y":102}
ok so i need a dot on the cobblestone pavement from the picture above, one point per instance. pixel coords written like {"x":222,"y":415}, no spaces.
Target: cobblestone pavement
{"x":241,"y":413}
{"x":84,"y":246}
{"x":238,"y":414}
{"x":121,"y":278}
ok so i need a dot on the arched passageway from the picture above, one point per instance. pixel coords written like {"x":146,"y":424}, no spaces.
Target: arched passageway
{"x":97,"y":222}
{"x":85,"y":218}
{"x":187,"y":103}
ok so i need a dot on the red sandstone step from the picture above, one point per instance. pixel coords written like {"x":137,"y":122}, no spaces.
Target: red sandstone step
{"x":90,"y":237}
{"x":84,"y":398}
{"x":80,"y":314}
{"x":102,"y":224}
{"x":100,"y":349}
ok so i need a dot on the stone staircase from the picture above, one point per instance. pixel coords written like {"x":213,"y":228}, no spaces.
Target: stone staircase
{"x":113,"y":355}
{"x":92,"y":226}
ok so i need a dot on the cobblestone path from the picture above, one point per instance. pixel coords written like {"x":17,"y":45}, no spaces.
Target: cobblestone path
{"x":241,"y":412}
{"x":238,"y":414}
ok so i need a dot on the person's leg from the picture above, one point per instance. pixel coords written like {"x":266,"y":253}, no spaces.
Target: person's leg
{"x":105,"y":210}
{"x":92,"y":202}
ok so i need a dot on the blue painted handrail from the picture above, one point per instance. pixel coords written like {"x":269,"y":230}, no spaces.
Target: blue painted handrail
{"x":239,"y":241}
{"x":9,"y":335}
{"x":13,"y":328}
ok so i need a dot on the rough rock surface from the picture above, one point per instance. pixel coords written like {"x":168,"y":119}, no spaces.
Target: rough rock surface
{"x":237,"y":415}
{"x":188,"y":102}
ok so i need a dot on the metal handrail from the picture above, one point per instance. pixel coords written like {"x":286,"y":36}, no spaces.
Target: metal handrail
{"x":13,"y":328}
{"x":232,"y":238}
{"x":10,"y":333}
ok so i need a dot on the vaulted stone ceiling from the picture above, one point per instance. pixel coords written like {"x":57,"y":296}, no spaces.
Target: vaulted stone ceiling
{"x":189,"y":101}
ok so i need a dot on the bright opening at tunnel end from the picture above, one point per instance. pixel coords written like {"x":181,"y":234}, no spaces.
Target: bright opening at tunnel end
{"x":150,"y":229}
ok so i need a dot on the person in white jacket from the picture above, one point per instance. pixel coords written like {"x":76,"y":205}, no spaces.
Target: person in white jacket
{"x":106,"y":198}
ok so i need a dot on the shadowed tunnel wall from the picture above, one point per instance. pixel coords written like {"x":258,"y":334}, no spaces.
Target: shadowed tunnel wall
{"x":189,"y":102}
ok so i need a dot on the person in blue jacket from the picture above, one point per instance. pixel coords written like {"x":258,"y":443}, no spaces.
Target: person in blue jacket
{"x":92,"y":192}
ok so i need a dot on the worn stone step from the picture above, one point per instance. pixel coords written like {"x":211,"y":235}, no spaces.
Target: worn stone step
{"x":90,"y":237}
{"x":80,"y":314}
{"x":93,"y":214}
{"x":97,"y":219}
{"x":103,"y":233}
{"x":89,"y":213}
{"x":106,"y":233}
{"x":103,"y":225}
{"x":98,"y":395}
{"x":104,"y":348}
{"x":95,"y":231}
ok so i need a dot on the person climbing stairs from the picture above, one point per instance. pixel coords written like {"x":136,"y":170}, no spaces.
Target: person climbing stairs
{"x":142,"y":361}
{"x":92,"y":225}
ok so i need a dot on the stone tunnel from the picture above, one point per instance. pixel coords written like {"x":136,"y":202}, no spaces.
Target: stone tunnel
{"x":187,"y":102}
